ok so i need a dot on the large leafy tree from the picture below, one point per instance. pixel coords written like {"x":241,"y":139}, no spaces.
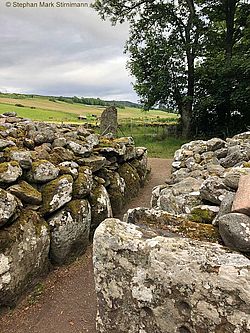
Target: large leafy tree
{"x":165,"y":39}
{"x":222,"y":103}
{"x":168,"y":40}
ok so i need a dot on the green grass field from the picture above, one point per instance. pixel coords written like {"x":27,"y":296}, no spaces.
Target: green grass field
{"x":130,"y":119}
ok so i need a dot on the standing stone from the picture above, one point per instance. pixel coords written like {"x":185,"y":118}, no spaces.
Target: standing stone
{"x":151,"y":284}
{"x":109,"y":122}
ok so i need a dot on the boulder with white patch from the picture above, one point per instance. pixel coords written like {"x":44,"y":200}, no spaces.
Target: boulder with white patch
{"x":24,"y":249}
{"x":57,"y":193}
{"x":146,"y":283}
{"x":70,"y":229}
{"x":42,"y":171}
{"x":100,"y":205}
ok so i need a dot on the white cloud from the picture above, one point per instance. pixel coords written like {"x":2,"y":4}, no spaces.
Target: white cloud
{"x":63,"y":51}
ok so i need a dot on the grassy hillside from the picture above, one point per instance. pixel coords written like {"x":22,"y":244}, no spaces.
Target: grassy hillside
{"x":37,"y":109}
{"x":42,"y":109}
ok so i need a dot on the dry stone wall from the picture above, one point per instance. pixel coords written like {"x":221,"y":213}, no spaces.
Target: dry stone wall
{"x":57,"y":183}
{"x":205,"y":179}
{"x":182,"y":266}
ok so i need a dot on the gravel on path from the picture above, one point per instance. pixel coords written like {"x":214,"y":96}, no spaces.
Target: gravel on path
{"x":65,"y":301}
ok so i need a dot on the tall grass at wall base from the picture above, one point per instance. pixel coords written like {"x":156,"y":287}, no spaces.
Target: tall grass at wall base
{"x":155,"y":139}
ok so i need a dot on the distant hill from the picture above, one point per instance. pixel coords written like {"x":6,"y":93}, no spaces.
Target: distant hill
{"x":75,"y":99}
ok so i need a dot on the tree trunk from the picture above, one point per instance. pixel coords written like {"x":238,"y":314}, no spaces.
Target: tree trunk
{"x":186,"y":116}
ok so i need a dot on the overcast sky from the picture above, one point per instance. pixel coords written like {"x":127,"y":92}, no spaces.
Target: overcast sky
{"x":62,"y":51}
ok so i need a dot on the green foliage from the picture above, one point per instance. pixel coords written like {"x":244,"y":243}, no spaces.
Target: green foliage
{"x":158,"y":143}
{"x":190,"y":55}
{"x":223,"y":78}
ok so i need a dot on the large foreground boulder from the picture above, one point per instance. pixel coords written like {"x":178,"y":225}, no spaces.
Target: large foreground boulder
{"x":146,"y":283}
{"x":24,"y":249}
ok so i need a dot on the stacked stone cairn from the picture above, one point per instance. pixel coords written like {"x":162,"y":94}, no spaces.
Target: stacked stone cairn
{"x":183,"y":265}
{"x":57,"y":183}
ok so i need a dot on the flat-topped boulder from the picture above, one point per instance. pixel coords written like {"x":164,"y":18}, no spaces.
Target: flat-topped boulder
{"x":149,"y":283}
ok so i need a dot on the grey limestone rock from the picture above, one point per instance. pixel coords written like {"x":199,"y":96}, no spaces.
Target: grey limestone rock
{"x":225,"y":206}
{"x":147,"y":283}
{"x":9,"y":172}
{"x":213,"y":190}
{"x":23,"y":157}
{"x":70,"y":229}
{"x":232,"y":177}
{"x":77,"y":148}
{"x":83,"y":184}
{"x":100,"y":206}
{"x":94,"y":162}
{"x":8,"y":206}
{"x":26,"y":193}
{"x":6,"y":143}
{"x":57,"y":193}
{"x":42,"y":171}
{"x":180,"y":197}
{"x":24,"y":249}
{"x":235,"y":231}
{"x":108,"y":121}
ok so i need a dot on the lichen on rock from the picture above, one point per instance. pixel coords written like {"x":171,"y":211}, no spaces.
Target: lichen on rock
{"x":57,"y":193}
{"x":148,"y":283}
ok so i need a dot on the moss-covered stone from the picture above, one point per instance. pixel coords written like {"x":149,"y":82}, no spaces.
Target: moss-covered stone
{"x":83,"y":184}
{"x":116,"y":191}
{"x":42,"y":171}
{"x":9,"y":172}
{"x":24,"y":249}
{"x":169,"y":224}
{"x":131,"y":178}
{"x":56,"y":193}
{"x":26,"y":193}
{"x":100,"y":205}
{"x":70,"y":231}
{"x":203,"y":214}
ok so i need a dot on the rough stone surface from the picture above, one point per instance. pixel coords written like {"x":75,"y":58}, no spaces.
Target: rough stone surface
{"x":131,"y":178}
{"x":225,"y":207}
{"x":213,"y":190}
{"x":42,"y":171}
{"x":24,"y":249}
{"x":108,"y":122}
{"x":241,"y":203}
{"x":232,"y":177}
{"x":9,"y":172}
{"x":100,"y":205}
{"x":57,"y":193}
{"x":8,"y":206}
{"x":169,"y":224}
{"x":26,"y":193}
{"x":146,"y":283}
{"x":83,"y":184}
{"x":94,"y":162}
{"x":180,"y":197}
{"x":116,"y":190}
{"x":22,"y":157}
{"x":235,"y":231}
{"x":70,"y":231}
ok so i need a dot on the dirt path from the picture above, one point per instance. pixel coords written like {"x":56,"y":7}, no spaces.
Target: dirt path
{"x":65,"y":300}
